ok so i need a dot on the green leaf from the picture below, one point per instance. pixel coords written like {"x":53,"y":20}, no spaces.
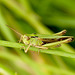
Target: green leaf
{"x":48,"y":51}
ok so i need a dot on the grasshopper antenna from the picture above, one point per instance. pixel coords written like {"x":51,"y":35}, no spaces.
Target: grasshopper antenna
{"x":15,"y":31}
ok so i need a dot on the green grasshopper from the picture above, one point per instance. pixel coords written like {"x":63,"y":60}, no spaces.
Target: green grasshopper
{"x":44,"y":41}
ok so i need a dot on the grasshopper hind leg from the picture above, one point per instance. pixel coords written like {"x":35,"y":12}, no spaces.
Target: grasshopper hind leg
{"x":57,"y":46}
{"x":61,"y":33}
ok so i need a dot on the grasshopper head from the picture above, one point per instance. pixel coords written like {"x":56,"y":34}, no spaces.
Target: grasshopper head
{"x":25,"y":39}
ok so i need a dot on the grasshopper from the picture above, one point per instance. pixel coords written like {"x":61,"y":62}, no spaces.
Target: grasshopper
{"x":44,"y":41}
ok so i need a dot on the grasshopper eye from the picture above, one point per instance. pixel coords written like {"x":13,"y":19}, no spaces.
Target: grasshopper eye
{"x":28,"y":38}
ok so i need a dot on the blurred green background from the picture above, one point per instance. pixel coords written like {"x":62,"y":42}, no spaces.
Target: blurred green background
{"x":36,"y":16}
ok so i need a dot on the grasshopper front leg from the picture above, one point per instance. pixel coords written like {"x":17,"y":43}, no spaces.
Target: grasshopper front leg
{"x":20,"y":39}
{"x":27,"y":48}
{"x":28,"y":45}
{"x":41,"y":47}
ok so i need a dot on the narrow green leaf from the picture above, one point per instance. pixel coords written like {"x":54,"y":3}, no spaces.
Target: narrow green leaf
{"x":55,"y":52}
